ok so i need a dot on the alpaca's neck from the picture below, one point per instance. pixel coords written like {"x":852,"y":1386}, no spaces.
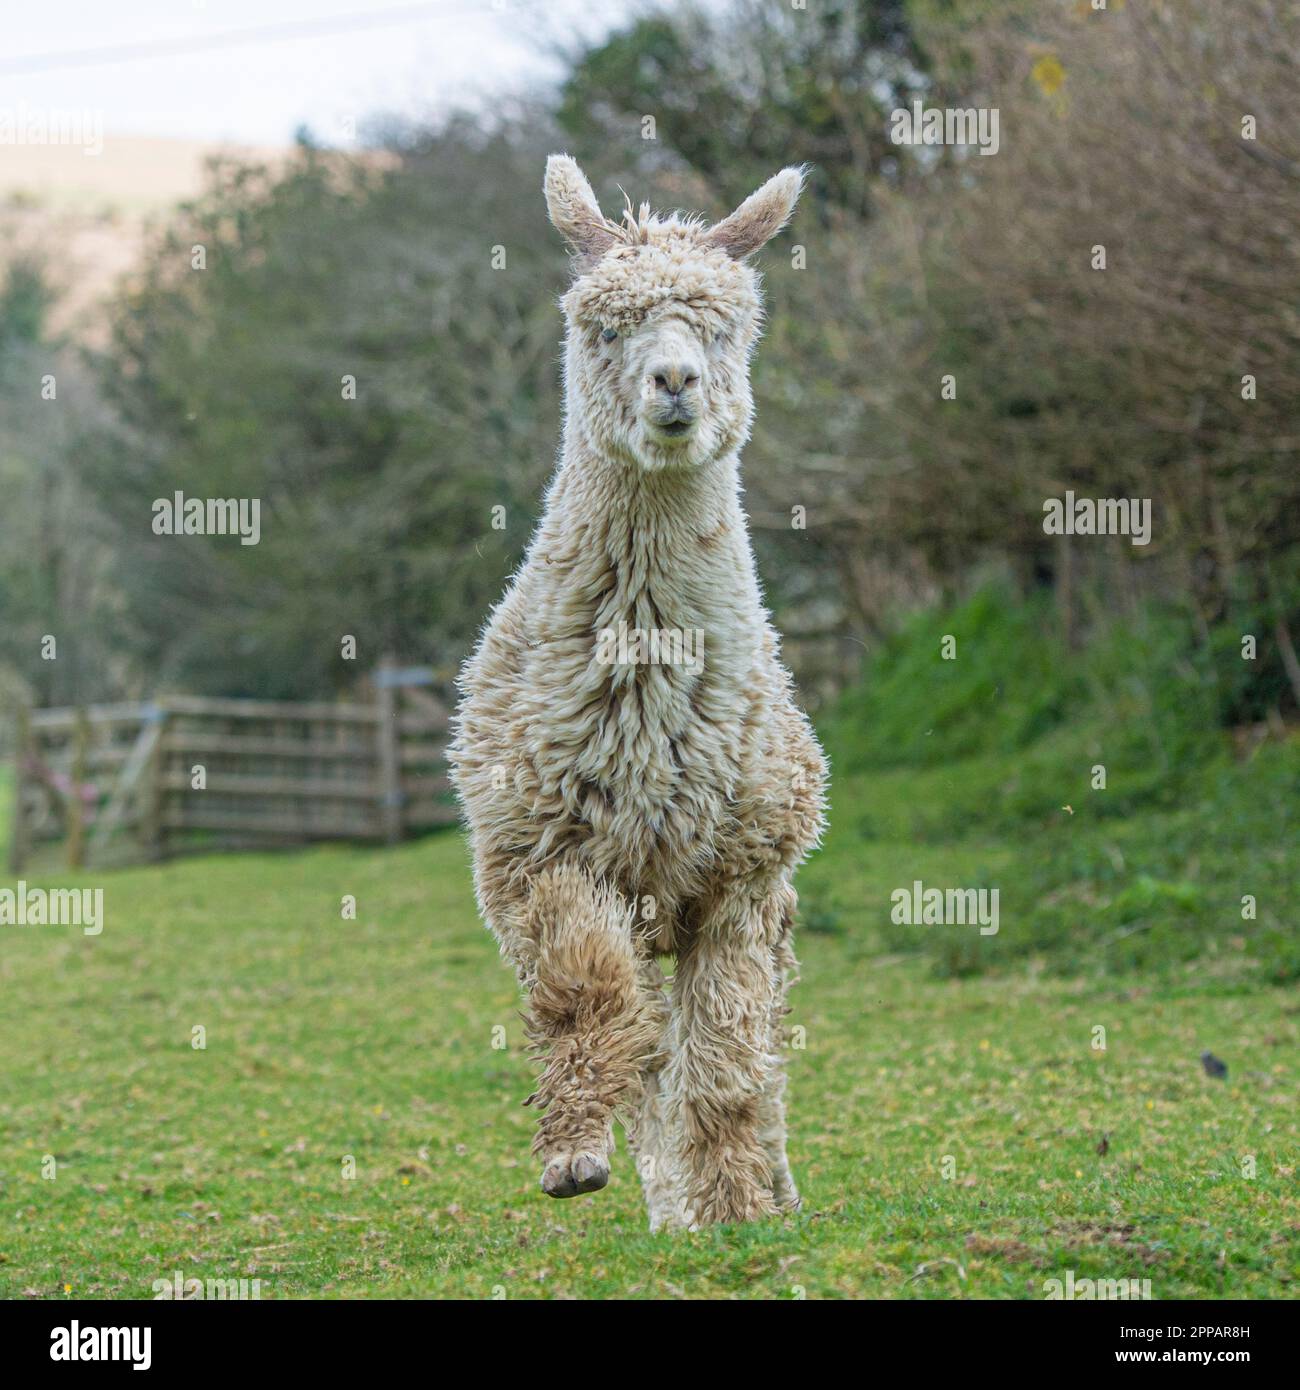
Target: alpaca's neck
{"x":665,"y":549}
{"x":667,"y":506}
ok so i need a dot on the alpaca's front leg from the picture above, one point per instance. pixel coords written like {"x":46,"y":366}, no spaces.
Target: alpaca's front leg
{"x":589,"y":1020}
{"x":722,"y":1074}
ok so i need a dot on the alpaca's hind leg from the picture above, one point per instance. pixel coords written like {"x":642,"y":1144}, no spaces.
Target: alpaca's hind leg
{"x":772,"y":1106}
{"x":721,"y":1074}
{"x":651,"y":1131}
{"x":656,"y":1159}
{"x":771,"y":1133}
{"x":589,"y":1019}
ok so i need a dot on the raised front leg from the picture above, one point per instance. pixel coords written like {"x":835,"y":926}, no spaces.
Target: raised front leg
{"x":590,"y":1020}
{"x":723,"y":1077}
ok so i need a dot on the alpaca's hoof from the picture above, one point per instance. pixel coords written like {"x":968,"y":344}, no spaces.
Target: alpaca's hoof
{"x":569,"y":1174}
{"x":787,"y":1198}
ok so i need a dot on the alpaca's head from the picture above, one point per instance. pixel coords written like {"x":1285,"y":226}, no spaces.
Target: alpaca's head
{"x":662,"y":316}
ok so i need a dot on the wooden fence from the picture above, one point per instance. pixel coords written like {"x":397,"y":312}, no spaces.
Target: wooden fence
{"x":115,"y":783}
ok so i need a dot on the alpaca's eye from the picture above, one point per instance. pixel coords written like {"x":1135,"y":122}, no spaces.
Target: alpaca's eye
{"x":608,"y":334}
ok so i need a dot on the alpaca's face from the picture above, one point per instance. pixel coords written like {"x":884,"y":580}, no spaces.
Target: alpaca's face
{"x":662,"y":321}
{"x":659,"y":341}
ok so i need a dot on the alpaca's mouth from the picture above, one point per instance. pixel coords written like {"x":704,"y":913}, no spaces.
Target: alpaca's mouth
{"x":673,"y":429}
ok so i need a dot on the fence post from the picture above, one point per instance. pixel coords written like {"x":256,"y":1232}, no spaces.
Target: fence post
{"x":151,"y":813}
{"x":390,"y":768}
{"x":20,"y":838}
{"x":77,"y":776}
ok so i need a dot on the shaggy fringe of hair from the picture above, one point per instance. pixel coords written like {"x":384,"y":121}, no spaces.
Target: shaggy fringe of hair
{"x":639,"y":223}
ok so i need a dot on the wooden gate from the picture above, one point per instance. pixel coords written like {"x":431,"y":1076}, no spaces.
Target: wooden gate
{"x":184,"y":774}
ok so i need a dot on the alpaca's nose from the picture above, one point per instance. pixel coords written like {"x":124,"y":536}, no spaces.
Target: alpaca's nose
{"x":675,"y":377}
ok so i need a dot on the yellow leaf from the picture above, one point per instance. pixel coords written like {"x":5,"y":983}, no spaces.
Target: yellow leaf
{"x":1049,"y":74}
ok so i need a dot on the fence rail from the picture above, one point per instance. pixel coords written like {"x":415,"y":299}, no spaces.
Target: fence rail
{"x":186,"y":774}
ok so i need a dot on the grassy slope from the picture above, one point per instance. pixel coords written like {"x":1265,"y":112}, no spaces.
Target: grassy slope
{"x":373,"y":1038}
{"x":992,"y":756}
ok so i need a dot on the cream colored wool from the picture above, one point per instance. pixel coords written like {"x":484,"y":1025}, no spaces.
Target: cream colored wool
{"x":621,"y":810}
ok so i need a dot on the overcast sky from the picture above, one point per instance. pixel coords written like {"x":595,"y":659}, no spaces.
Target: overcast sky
{"x":395,"y":55}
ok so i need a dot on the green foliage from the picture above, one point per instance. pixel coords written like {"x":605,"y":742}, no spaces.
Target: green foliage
{"x":55,"y":565}
{"x":986,"y":763}
{"x":377,"y":499}
{"x":738,"y":94}
{"x":25,"y":302}
{"x":1254,"y":690}
{"x":1007,"y":685}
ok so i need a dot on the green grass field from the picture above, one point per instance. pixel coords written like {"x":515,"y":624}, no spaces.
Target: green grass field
{"x":954,"y":1130}
{"x":374,"y":1038}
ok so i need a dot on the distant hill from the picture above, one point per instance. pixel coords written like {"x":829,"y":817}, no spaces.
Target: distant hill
{"x":88,"y":212}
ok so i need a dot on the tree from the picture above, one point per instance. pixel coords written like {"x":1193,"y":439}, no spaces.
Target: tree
{"x":368,"y":350}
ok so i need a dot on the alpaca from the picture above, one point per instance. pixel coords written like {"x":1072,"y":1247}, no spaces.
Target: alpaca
{"x":637,"y":779}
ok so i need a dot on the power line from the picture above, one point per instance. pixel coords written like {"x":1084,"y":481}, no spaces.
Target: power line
{"x":232,"y":38}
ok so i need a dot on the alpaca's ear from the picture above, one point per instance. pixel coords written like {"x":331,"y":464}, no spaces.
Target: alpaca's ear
{"x":758,"y":219}
{"x":573,"y":208}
